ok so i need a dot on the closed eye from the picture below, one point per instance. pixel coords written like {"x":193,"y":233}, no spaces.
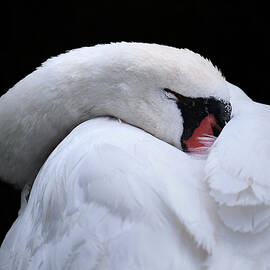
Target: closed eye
{"x":170,"y":94}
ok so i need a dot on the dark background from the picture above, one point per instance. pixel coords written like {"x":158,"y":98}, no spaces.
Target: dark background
{"x":234,"y":37}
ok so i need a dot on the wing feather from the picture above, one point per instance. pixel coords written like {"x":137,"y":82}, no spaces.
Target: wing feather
{"x":238,"y":171}
{"x":113,"y":197}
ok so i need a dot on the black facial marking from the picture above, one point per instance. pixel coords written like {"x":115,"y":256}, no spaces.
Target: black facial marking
{"x":194,"y":110}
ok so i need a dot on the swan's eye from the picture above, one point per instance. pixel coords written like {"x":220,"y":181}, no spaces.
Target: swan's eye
{"x":170,"y":94}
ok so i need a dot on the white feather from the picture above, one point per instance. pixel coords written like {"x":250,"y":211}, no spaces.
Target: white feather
{"x":107,"y":197}
{"x":238,"y":160}
{"x":238,"y":175}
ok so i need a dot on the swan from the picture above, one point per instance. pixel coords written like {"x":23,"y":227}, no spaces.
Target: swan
{"x":135,"y":156}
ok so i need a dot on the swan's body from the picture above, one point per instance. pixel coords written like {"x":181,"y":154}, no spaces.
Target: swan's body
{"x":111,"y":204}
{"x":112,"y":196}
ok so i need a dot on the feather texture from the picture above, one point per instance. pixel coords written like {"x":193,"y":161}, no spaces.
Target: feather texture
{"x":107,"y":197}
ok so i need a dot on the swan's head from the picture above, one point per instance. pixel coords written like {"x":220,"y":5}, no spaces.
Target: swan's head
{"x":174,"y":94}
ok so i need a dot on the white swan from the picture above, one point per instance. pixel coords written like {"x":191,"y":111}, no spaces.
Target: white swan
{"x":120,"y":194}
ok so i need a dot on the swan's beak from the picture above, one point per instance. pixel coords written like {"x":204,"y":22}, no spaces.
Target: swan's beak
{"x":204,"y":119}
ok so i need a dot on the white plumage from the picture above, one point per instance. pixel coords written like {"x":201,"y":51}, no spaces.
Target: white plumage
{"x":113,"y":196}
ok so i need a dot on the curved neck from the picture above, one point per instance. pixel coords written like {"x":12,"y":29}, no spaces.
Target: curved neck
{"x":34,"y":118}
{"x":40,"y":110}
{"x":121,"y":80}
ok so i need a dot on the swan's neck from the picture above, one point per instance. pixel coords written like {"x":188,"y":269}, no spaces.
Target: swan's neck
{"x":40,"y":110}
{"x":34,"y":118}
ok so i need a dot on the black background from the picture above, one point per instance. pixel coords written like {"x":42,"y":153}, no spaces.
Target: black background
{"x":234,"y":37}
